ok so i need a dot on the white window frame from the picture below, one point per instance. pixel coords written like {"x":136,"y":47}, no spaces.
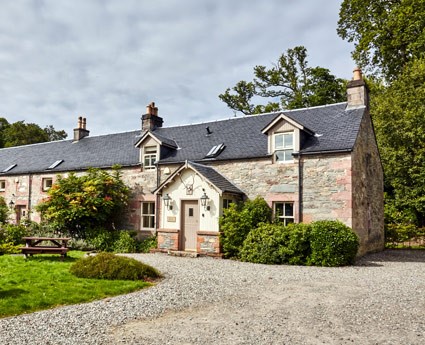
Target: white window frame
{"x":2,"y":185}
{"x":284,"y":218}
{"x":149,"y":215}
{"x":150,"y":154}
{"x":47,"y":183}
{"x":286,"y":149}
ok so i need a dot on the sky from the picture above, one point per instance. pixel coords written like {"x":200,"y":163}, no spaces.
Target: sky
{"x":107,"y":59}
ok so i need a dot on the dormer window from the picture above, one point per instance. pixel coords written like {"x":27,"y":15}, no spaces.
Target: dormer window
{"x":149,"y":157}
{"x":283,"y":147}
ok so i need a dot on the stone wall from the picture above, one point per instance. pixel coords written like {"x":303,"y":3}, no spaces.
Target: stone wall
{"x":208,"y":242}
{"x":326,"y":186}
{"x":368,"y":190}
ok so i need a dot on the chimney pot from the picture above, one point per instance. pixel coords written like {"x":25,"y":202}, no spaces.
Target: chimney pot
{"x":80,"y":132}
{"x":357,"y":74}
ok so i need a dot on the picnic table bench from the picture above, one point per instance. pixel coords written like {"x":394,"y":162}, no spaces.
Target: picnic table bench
{"x":35,"y":245}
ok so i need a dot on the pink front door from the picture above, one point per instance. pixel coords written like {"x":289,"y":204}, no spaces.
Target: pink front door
{"x":190,"y":225}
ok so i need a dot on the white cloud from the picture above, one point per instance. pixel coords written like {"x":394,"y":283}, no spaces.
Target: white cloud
{"x":108,"y":59}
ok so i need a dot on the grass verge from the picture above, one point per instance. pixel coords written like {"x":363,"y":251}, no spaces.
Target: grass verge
{"x":43,"y":282}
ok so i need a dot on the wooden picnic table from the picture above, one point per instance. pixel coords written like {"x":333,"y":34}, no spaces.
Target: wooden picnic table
{"x":37,"y":245}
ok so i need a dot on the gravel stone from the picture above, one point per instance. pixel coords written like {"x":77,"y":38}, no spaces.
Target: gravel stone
{"x":380,"y":300}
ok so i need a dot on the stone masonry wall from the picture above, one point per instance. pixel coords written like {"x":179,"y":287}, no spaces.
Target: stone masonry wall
{"x":327,"y":188}
{"x":368,"y":190}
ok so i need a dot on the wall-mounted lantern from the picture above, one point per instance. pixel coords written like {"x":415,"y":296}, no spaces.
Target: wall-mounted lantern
{"x":11,"y":204}
{"x":204,"y":200}
{"x":167,"y":202}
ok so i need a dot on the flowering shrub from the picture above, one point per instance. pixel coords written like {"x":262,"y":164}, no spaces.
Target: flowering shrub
{"x":77,"y":204}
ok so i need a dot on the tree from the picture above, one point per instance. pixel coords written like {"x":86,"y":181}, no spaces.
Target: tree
{"x":21,"y":133}
{"x":398,"y":112}
{"x":54,"y":135}
{"x":387,"y":33}
{"x":289,"y":83}
{"x":80,"y":204}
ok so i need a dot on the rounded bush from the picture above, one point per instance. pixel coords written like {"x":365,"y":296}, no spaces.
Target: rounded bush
{"x":277,"y":244}
{"x":332,"y":244}
{"x":113,"y":267}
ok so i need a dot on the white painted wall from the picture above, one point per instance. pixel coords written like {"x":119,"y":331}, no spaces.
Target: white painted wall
{"x":208,"y":220}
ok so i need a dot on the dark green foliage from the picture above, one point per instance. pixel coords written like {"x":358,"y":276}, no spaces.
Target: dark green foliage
{"x":21,"y":133}
{"x":118,"y":241}
{"x":4,"y":210}
{"x":387,"y":34}
{"x":238,"y":220}
{"x":277,"y":244}
{"x":404,"y":235}
{"x":398,"y":111}
{"x":145,"y":245}
{"x":332,"y":244}
{"x":125,"y":243}
{"x":288,"y":84}
{"x":110,"y":266}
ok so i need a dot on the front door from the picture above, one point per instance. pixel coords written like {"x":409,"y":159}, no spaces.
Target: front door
{"x":190,"y":225}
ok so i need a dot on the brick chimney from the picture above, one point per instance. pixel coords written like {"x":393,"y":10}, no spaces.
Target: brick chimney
{"x":357,"y":91}
{"x":151,"y":120}
{"x":80,"y":132}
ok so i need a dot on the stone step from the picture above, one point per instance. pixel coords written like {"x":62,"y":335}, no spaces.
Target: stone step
{"x":183,"y":253}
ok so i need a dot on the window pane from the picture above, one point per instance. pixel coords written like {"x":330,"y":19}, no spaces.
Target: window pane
{"x":278,"y":209}
{"x":289,"y":210}
{"x":280,"y":156}
{"x":289,"y":221}
{"x":278,"y":141}
{"x":288,"y":155}
{"x":289,"y":140}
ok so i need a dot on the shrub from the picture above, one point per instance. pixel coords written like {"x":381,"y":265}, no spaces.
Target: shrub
{"x":103,"y":240}
{"x":277,"y":244}
{"x":125,"y":243}
{"x":78,"y":204}
{"x":332,"y":244}
{"x":238,"y":220}
{"x":9,"y":248}
{"x":113,"y":267}
{"x":145,"y":245}
{"x":4,"y":210}
{"x":10,"y":233}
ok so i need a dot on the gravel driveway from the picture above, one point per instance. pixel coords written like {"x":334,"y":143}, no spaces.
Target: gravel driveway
{"x":205,"y":301}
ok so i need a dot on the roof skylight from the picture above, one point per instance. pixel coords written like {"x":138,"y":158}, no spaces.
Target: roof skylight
{"x":10,"y":167}
{"x":55,"y":164}
{"x":215,"y":151}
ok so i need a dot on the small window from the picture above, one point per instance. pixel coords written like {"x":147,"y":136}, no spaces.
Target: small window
{"x":283,"y":147}
{"x":148,"y":215}
{"x":47,"y":183}
{"x":190,"y":212}
{"x":226,"y":203}
{"x":2,"y":185}
{"x":284,"y":211}
{"x":149,"y":157}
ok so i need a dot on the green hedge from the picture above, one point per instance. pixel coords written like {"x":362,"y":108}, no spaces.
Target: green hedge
{"x":322,"y":243}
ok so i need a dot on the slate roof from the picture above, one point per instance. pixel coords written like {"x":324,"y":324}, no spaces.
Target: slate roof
{"x":335,"y":128}
{"x":215,"y":178}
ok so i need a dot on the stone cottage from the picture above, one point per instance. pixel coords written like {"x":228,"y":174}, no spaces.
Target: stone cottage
{"x":308,"y":164}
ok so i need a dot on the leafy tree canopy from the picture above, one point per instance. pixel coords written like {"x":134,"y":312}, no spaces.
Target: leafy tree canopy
{"x":387,"y":33}
{"x":288,"y":84}
{"x":79,"y":204}
{"x":21,"y":133}
{"x":398,"y":112}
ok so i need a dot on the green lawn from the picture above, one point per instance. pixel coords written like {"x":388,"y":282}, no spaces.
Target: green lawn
{"x":43,"y":282}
